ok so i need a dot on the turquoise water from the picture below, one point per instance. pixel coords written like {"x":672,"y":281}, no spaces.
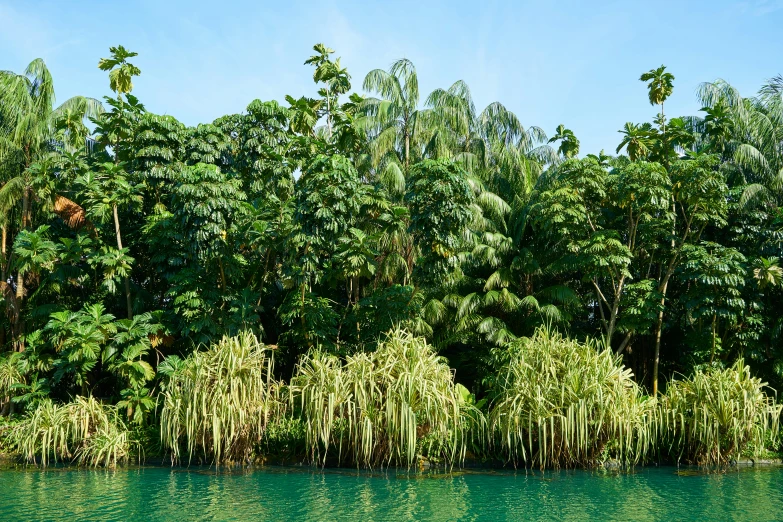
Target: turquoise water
{"x":297,"y":494}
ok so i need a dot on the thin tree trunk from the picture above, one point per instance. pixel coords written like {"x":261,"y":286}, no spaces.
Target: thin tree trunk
{"x":5,"y":258}
{"x":658,"y":329}
{"x":663,"y":120}
{"x":663,"y":288}
{"x":614,"y":313}
{"x":128,"y":300}
{"x":328,"y":113}
{"x":222,"y":275}
{"x":407,"y":150}
{"x":19,"y":321}
{"x":625,"y":343}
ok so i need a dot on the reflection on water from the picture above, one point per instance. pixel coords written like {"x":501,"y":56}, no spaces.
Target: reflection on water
{"x":304,"y":494}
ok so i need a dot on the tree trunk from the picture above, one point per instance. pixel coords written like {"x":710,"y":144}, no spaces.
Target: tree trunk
{"x":663,"y":288}
{"x":614,"y":313}
{"x":328,"y":114}
{"x":407,"y":150}
{"x":222,"y":275}
{"x":5,"y":259}
{"x":658,"y":329}
{"x":128,"y":300}
{"x":624,"y":344}
{"x":19,"y":322}
{"x":663,"y":121}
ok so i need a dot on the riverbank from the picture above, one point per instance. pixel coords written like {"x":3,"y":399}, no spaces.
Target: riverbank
{"x":422,"y":465}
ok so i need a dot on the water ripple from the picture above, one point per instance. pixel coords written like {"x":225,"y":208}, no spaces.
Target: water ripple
{"x":302,"y":494}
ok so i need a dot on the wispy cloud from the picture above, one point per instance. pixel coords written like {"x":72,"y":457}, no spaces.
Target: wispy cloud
{"x":27,"y":36}
{"x":760,"y":7}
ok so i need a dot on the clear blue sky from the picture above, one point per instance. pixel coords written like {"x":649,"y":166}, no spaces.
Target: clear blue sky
{"x":549,"y":62}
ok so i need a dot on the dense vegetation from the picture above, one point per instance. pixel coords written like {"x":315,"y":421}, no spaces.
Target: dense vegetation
{"x":143,"y":261}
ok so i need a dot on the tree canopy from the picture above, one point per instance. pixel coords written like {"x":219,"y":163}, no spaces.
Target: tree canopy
{"x":323,"y":221}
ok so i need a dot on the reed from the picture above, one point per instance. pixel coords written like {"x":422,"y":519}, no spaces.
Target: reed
{"x":716,"y":415}
{"x":10,"y":377}
{"x":219,"y":401}
{"x":82,"y":431}
{"x":387,"y":407}
{"x":559,"y":402}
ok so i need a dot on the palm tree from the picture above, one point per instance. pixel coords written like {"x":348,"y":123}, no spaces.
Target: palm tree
{"x":492,"y":146}
{"x":660,"y":86}
{"x":395,"y":121}
{"x":748,"y":133}
{"x":30,"y":128}
{"x":458,"y":125}
{"x":30,"y":124}
{"x":569,"y":144}
{"x":637,"y":140}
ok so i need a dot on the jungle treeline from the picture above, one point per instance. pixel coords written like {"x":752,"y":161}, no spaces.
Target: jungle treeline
{"x":365,"y":217}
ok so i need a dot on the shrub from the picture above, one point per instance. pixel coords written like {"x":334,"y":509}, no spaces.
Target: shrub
{"x":717,"y":414}
{"x":10,"y":378}
{"x":376,"y":408}
{"x":559,"y":402}
{"x":84,"y":431}
{"x":217,"y":403}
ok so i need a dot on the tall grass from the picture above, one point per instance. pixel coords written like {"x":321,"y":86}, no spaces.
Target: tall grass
{"x":218,"y":403}
{"x":379,"y":408}
{"x":84,"y":431}
{"x":10,"y":376}
{"x":559,"y":402}
{"x":716,"y":415}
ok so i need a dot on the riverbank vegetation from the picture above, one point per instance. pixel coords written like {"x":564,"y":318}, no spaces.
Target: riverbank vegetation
{"x":381,"y":277}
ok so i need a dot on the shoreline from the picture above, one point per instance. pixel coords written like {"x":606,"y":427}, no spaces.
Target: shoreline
{"x":11,"y":462}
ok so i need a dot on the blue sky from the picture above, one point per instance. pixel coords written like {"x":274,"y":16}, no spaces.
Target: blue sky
{"x":550,"y":62}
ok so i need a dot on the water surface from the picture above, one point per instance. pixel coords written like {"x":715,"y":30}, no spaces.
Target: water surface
{"x":304,"y":494}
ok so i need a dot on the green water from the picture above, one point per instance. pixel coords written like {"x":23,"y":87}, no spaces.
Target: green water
{"x":295,"y":494}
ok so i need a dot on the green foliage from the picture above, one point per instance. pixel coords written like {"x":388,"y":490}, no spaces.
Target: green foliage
{"x":717,"y":414}
{"x":559,"y":402}
{"x":569,"y":144}
{"x":217,"y":403}
{"x":120,"y":70}
{"x":326,"y":221}
{"x":439,"y":198}
{"x":660,"y":84}
{"x":11,"y":378}
{"x":373,"y":408}
{"x":84,"y":431}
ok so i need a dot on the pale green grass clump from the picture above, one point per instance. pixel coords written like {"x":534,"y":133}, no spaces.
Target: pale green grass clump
{"x":84,"y":431}
{"x":377,"y":408}
{"x":559,"y":402}
{"x":10,"y":376}
{"x":219,"y":401}
{"x":716,"y":415}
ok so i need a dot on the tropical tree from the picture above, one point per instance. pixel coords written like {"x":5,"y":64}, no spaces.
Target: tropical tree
{"x":569,"y":144}
{"x":700,"y":199}
{"x":746,"y":131}
{"x":397,"y":126}
{"x":660,"y":85}
{"x":104,"y":193}
{"x":336,"y":79}
{"x":637,"y":140}
{"x":31,"y":126}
